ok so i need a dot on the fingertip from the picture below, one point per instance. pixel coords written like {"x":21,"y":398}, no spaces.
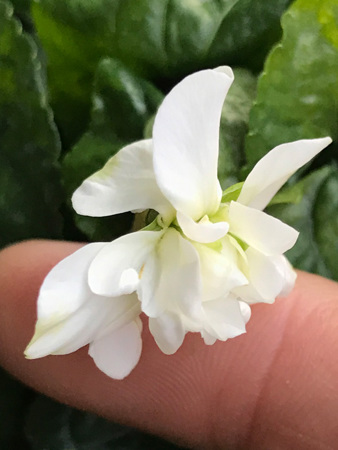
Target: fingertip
{"x":23,"y":267}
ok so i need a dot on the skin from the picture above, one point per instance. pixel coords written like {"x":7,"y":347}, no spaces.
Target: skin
{"x":275,"y":387}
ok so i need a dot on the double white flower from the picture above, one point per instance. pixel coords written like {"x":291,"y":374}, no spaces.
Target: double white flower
{"x":201,"y":263}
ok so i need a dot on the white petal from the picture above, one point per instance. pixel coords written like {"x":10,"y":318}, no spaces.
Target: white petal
{"x":208,"y":339}
{"x":245,"y":311}
{"x":224,"y":318}
{"x":248,"y":294}
{"x":65,"y":288}
{"x":220,"y":273}
{"x":261,"y":231}
{"x":168,"y":332}
{"x":125,"y":183}
{"x":171,"y":278}
{"x":264,"y":274}
{"x":186,"y":138}
{"x":117,"y":354}
{"x":289,"y":276}
{"x":275,"y":168}
{"x":116,"y":269}
{"x":69,"y":314}
{"x":203,"y":231}
{"x":269,"y":277}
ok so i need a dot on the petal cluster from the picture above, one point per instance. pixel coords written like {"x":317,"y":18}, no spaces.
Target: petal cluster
{"x":198,"y":266}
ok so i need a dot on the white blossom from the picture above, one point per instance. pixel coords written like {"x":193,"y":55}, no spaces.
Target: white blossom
{"x":198,"y":266}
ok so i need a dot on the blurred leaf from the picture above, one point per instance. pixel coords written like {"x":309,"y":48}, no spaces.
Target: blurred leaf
{"x":158,"y":40}
{"x":326,"y":222}
{"x":289,"y":194}
{"x":122,"y":103}
{"x":13,"y":403}
{"x":234,"y":126}
{"x":29,"y":174}
{"x":309,"y":253}
{"x":21,"y":6}
{"x":52,"y":426}
{"x":247,"y":33}
{"x":298,"y":91}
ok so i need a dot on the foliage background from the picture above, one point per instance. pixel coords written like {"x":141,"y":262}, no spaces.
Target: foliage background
{"x":81,"y":78}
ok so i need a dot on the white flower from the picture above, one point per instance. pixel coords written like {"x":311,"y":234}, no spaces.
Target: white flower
{"x":198,"y":266}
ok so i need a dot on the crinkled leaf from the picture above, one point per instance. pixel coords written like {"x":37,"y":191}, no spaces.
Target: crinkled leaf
{"x":122,"y":103}
{"x":13,"y":403}
{"x":298,"y":91}
{"x":309,"y":253}
{"x":29,"y":174}
{"x":22,"y":11}
{"x":161,"y":40}
{"x":247,"y":32}
{"x":326,"y":222}
{"x":234,"y":126}
{"x":52,"y":426}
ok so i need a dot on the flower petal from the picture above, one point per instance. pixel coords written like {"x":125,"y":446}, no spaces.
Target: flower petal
{"x":168,"y":332}
{"x":289,"y":276}
{"x":116,"y":269}
{"x":186,"y":139}
{"x":261,"y":231}
{"x":125,"y":183}
{"x":264,"y":275}
{"x":203,"y":231}
{"x":224,"y":318}
{"x":275,"y":168}
{"x":117,"y":353}
{"x":69,"y":314}
{"x":219,"y":271}
{"x":245,"y":311}
{"x":171,"y":278}
{"x":208,"y":339}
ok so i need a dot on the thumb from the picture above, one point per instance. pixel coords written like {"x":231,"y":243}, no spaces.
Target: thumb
{"x":275,"y":387}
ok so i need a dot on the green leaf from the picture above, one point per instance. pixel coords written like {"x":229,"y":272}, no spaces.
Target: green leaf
{"x":326,"y":222}
{"x":247,"y":32}
{"x":298,"y":91}
{"x":234,"y":126}
{"x":122,"y":104}
{"x":158,"y":40}
{"x":289,"y":194}
{"x":13,"y":404}
{"x":52,"y":426}
{"x":310,"y":253}
{"x":29,"y":173}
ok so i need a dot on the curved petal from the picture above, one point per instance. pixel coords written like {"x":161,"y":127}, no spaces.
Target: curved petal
{"x":168,"y":332}
{"x":117,"y":353}
{"x":289,"y":276}
{"x":269,"y":277}
{"x":116,"y":269}
{"x":186,"y":139}
{"x":69,"y":314}
{"x":264,"y":275}
{"x":208,"y":339}
{"x":261,"y":231}
{"x":219,"y":271}
{"x":125,"y":183}
{"x":171,"y":278}
{"x":245,"y":311}
{"x":224,"y":318}
{"x":65,"y":289}
{"x":204,"y":231}
{"x":248,"y":294}
{"x":275,"y":168}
